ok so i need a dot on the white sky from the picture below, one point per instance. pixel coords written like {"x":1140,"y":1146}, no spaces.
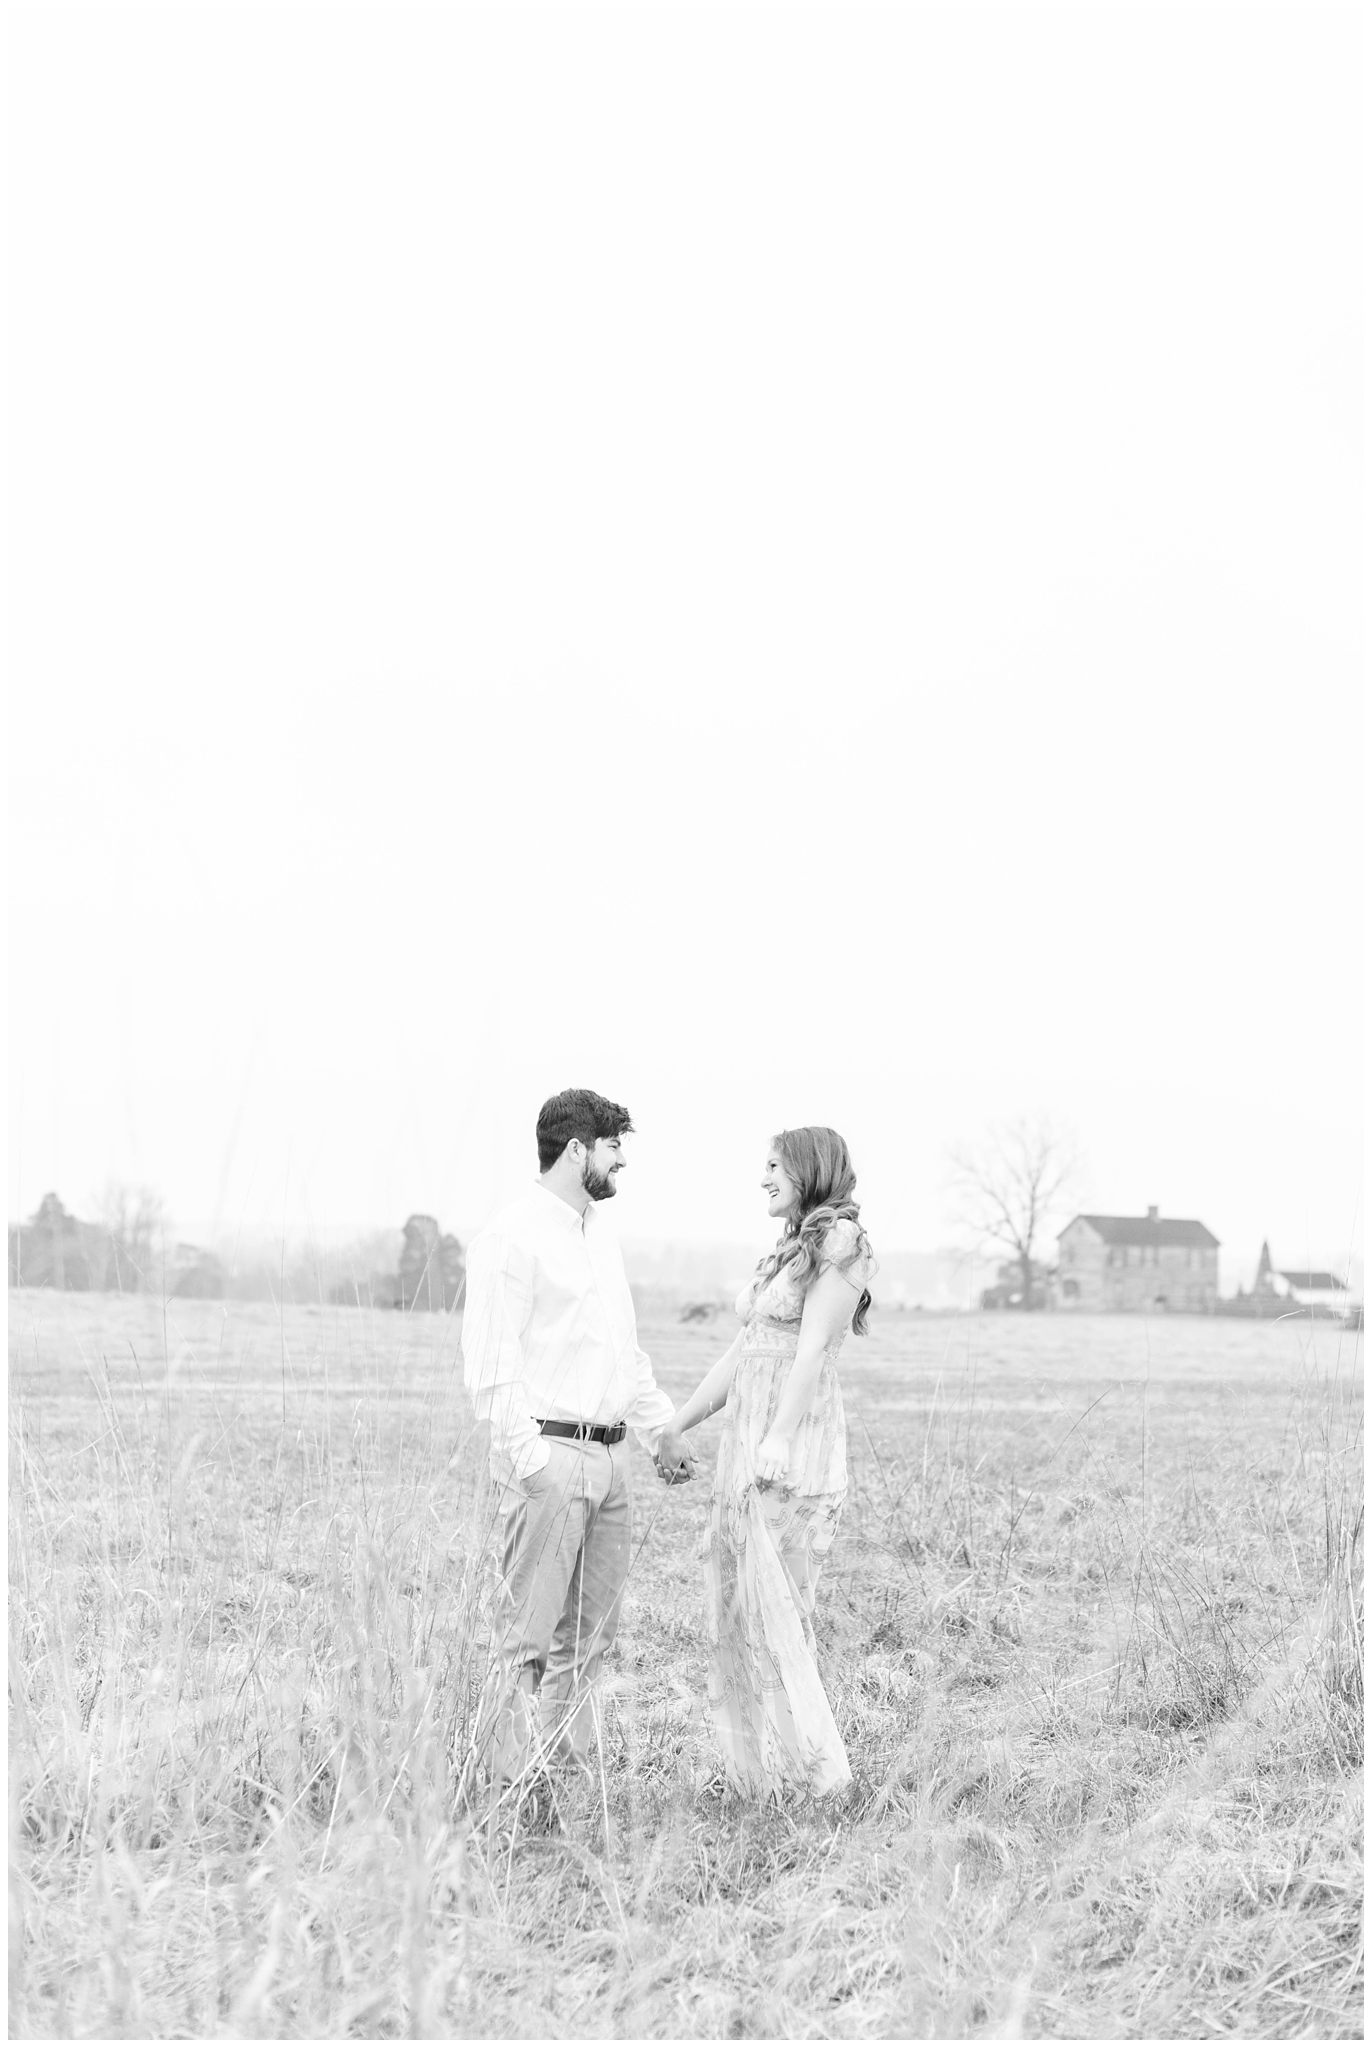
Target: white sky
{"x":786,"y":566}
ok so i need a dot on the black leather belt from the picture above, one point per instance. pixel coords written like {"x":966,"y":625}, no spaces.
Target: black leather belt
{"x":583,"y":1432}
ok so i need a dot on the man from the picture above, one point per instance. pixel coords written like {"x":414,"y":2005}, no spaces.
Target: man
{"x":552,"y":1363}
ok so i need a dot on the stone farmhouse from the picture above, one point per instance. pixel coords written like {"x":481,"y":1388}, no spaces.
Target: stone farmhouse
{"x":1138,"y":1262}
{"x":1301,"y":1287}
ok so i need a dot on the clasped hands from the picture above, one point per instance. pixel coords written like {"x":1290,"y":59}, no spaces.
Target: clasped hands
{"x":675,"y":1465}
{"x":674,"y":1462}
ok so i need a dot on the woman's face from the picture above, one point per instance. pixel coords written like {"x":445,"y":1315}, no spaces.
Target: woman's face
{"x":783,"y":1196}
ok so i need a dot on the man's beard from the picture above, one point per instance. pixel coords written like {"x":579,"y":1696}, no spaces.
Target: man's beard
{"x":599,"y":1186}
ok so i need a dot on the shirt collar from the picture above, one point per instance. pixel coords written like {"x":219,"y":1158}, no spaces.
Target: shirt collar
{"x":564,"y":1210}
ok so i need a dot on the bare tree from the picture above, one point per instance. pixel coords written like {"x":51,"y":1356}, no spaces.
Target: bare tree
{"x":132,"y":1217}
{"x":1008,"y":1186}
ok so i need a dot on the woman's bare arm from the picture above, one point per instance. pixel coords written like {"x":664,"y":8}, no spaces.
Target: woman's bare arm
{"x":711,"y":1394}
{"x":830,"y":1302}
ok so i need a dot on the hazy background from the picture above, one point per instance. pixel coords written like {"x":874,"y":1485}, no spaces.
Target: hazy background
{"x":785,"y":566}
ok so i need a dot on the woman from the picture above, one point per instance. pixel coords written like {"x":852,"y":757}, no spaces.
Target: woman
{"x":782,"y":1473}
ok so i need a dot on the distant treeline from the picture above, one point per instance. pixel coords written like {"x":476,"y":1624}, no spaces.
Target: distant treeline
{"x":129,"y":1252}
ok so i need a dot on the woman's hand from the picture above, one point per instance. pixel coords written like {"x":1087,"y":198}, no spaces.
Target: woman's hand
{"x":773,"y":1460}
{"x":674,"y":1461}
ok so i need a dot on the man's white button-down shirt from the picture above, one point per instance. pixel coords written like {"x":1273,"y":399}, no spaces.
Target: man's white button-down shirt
{"x":548,"y":1331}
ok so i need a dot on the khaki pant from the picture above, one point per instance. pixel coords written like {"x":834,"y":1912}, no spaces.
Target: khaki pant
{"x":566,"y":1559}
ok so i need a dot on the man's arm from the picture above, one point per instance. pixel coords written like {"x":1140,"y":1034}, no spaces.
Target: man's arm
{"x":499,"y":1304}
{"x":651,"y":1409}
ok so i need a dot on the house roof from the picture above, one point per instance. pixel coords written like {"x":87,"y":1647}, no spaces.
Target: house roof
{"x":1147,"y":1230}
{"x":1321,"y":1280}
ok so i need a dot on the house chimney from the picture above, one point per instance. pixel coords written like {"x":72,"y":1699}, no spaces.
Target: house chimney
{"x":1153,"y":1213}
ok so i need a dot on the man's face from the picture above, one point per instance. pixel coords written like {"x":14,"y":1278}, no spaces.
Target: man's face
{"x":600,"y":1167}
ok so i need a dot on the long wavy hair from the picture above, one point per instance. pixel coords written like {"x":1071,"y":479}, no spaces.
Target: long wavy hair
{"x":817,"y":1160}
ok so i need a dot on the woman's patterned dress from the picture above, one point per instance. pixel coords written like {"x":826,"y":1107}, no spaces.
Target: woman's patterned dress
{"x":762,"y":1552}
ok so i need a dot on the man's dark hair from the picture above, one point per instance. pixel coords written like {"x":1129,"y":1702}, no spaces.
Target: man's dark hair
{"x":577,"y":1113}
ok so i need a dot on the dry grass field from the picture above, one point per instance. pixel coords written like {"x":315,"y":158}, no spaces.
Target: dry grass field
{"x":1092,"y":1631}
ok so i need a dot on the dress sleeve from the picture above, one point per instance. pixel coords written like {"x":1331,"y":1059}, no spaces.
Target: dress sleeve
{"x":846,"y":1250}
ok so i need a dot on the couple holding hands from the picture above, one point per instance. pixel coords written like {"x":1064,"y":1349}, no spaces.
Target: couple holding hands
{"x":552,"y":1362}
